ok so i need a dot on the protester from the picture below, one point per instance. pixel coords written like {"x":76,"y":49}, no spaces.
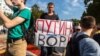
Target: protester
{"x":53,"y":51}
{"x":50,"y":14}
{"x":81,"y":43}
{"x":77,"y":28}
{"x":16,"y":42}
{"x":87,"y":46}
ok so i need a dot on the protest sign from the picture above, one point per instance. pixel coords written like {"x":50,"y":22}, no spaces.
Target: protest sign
{"x":53,"y":32}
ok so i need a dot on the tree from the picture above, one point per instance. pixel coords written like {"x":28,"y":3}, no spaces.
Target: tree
{"x":36,"y":11}
{"x":93,"y":9}
{"x":76,"y":22}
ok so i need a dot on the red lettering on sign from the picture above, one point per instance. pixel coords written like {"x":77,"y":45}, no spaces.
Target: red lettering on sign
{"x":59,"y":27}
{"x":65,"y":28}
{"x":55,"y":27}
{"x":71,"y":31}
{"x":48,"y":25}
{"x":62,"y":27}
{"x":37,"y":22}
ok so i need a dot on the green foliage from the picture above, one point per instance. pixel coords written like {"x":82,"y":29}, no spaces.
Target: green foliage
{"x":93,"y":9}
{"x":75,"y":22}
{"x":36,"y":11}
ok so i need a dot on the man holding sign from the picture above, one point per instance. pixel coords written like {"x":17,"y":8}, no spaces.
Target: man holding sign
{"x":17,"y":44}
{"x":47,"y":51}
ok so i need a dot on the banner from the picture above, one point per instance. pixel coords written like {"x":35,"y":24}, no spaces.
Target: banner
{"x":53,"y":33}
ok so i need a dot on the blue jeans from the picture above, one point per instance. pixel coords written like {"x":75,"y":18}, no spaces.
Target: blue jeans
{"x":48,"y":51}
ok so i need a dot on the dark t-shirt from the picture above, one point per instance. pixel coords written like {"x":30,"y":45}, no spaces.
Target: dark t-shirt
{"x":51,"y":49}
{"x":50,"y":17}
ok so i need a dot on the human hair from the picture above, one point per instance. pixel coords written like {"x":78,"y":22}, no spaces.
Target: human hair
{"x":50,"y":3}
{"x":25,"y":1}
{"x":88,"y":22}
{"x":98,"y":27}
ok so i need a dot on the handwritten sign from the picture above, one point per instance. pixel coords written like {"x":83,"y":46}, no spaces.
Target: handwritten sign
{"x":53,"y":32}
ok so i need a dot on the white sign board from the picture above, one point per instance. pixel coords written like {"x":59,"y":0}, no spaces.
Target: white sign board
{"x":53,"y":33}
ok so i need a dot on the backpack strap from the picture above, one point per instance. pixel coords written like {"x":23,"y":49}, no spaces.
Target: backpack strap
{"x":32,"y":21}
{"x":71,"y":44}
{"x":23,"y":29}
{"x":76,"y":43}
{"x":22,"y":25}
{"x":79,"y":38}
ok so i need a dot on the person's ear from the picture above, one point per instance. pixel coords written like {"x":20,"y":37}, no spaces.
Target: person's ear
{"x":94,"y":27}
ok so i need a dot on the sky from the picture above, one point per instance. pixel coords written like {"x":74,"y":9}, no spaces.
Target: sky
{"x":65,"y":9}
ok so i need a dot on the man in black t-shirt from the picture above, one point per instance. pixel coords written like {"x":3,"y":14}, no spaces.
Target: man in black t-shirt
{"x":50,"y":17}
{"x":48,"y":51}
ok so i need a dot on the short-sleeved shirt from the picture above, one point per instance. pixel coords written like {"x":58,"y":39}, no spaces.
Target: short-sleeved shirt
{"x":16,"y":31}
{"x":50,"y":17}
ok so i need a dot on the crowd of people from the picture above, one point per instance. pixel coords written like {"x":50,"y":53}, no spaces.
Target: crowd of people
{"x":84,"y":42}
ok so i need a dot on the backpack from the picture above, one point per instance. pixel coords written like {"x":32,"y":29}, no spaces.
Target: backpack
{"x":73,"y":45}
{"x":29,"y":34}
